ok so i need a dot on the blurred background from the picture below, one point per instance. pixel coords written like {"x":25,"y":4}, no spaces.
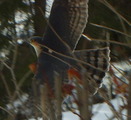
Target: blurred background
{"x":109,"y":23}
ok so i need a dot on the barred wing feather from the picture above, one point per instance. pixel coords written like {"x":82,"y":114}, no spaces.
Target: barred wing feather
{"x":68,"y":19}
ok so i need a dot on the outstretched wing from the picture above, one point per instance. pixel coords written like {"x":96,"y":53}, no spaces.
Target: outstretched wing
{"x":67,"y":21}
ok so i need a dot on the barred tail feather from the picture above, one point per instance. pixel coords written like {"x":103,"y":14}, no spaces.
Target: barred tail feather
{"x":98,"y":60}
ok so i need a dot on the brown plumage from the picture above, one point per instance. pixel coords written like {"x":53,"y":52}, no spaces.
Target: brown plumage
{"x":66,"y":23}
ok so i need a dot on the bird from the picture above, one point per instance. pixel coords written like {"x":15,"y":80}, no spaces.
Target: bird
{"x":55,"y":50}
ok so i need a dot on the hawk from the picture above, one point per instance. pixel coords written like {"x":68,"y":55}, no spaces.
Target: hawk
{"x":56,"y":49}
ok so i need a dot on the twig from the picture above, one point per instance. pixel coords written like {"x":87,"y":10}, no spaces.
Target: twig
{"x":85,"y":97}
{"x":111,"y":29}
{"x":113,"y":9}
{"x":14,"y":57}
{"x":13,"y":75}
{"x":119,"y":71}
{"x":13,"y":79}
{"x":104,"y":95}
{"x":43,"y":113}
{"x":44,"y":102}
{"x":112,"y":41}
{"x":69,"y":57}
{"x":6,"y":85}
{"x":71,"y":110}
{"x":22,"y":80}
{"x":7,"y":111}
{"x":58,"y":96}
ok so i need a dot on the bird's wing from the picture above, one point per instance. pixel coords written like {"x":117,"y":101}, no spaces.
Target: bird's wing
{"x":67,"y":21}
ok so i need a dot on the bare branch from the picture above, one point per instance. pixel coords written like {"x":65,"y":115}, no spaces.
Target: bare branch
{"x":113,"y":9}
{"x":111,"y":29}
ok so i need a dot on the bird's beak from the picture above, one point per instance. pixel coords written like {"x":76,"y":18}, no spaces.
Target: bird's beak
{"x":31,"y":42}
{"x":27,"y":41}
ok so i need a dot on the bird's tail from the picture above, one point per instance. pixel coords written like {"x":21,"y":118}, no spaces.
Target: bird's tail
{"x":97,"y":62}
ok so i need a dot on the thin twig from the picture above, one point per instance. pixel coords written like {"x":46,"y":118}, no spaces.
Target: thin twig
{"x":14,"y":57}
{"x":112,"y":41}
{"x":119,"y":71}
{"x":111,"y":29}
{"x":113,"y":9}
{"x":58,"y":95}
{"x":22,"y":80}
{"x":69,"y":57}
{"x":7,"y":111}
{"x":6,"y":85}
{"x":85,"y":97}
{"x":13,"y":79}
{"x":114,"y":111}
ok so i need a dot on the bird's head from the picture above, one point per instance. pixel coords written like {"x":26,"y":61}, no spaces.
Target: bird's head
{"x":36,"y":42}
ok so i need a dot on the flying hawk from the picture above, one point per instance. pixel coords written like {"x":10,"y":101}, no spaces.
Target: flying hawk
{"x":55,"y":50}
